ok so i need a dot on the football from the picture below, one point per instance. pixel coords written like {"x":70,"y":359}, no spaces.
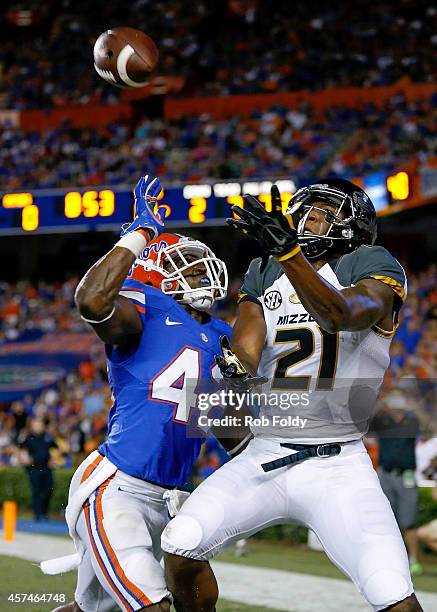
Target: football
{"x":125,"y":57}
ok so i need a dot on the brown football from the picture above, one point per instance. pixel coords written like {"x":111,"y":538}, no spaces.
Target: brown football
{"x":125,"y":57}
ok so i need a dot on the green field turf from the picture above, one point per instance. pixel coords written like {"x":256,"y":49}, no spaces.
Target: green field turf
{"x":19,"y":576}
{"x":300,"y":559}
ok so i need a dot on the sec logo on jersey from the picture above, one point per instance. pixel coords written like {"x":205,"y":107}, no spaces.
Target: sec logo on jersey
{"x":272,"y":300}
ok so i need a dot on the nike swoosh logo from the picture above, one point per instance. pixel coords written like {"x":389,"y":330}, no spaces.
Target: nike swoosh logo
{"x":168,"y":322}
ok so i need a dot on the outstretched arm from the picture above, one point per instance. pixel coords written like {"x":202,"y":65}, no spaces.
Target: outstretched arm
{"x":354,"y":308}
{"x":349,"y":309}
{"x":113,"y":317}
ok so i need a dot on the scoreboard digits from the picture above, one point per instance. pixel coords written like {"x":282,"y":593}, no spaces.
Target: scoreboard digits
{"x":89,"y":204}
{"x":196,"y":212}
{"x":17,"y":200}
{"x":29,"y":211}
{"x":100,"y":208}
{"x":30,"y":218}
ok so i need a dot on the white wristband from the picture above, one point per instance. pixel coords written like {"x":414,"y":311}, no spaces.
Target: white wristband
{"x":101,"y":320}
{"x":134,"y":242}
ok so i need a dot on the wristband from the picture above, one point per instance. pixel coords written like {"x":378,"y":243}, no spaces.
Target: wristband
{"x":101,"y":320}
{"x":134,"y":242}
{"x":294,"y":251}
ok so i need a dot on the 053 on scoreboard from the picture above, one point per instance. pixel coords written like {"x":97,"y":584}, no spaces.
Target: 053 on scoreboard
{"x":106,"y":208}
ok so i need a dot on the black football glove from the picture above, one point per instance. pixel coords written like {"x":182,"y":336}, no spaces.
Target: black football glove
{"x":275,"y":231}
{"x":233,"y":371}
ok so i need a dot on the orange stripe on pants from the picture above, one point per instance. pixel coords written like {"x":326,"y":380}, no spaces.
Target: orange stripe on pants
{"x":90,"y":469}
{"x":130,"y":586}
{"x":86,"y":508}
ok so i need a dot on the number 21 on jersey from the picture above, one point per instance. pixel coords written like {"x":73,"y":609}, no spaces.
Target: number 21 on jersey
{"x":304,"y":346}
{"x":177,"y":382}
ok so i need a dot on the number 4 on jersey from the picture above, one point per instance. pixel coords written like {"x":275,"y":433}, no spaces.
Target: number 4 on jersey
{"x":177,"y":382}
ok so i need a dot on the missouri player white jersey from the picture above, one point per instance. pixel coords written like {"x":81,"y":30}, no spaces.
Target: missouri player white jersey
{"x":328,"y":380}
{"x":338,"y":497}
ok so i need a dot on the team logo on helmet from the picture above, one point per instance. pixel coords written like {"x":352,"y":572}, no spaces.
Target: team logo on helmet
{"x":169,"y":259}
{"x":154,"y":247}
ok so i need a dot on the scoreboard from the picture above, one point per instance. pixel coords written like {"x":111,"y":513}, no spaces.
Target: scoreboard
{"x":107,"y":208}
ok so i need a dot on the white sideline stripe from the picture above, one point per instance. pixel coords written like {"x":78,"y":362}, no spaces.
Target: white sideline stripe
{"x":134,"y":295}
{"x":278,"y":589}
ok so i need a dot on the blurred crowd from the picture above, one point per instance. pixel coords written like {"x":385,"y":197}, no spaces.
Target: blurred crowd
{"x":75,"y":411}
{"x":222,"y":47}
{"x":27,"y":311}
{"x":74,"y":414}
{"x":410,"y":381}
{"x":279,"y":142}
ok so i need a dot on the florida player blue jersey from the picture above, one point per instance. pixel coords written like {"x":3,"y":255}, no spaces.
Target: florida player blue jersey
{"x":154,"y":388}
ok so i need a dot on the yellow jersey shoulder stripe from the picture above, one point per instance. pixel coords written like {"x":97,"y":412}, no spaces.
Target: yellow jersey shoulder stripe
{"x":392,"y":283}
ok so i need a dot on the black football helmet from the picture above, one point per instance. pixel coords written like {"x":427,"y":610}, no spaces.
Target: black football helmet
{"x":344,"y":234}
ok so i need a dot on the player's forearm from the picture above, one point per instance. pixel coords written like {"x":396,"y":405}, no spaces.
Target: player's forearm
{"x":235,"y":434}
{"x":99,"y":288}
{"x":333,"y":310}
{"x":249,"y":335}
{"x":248,"y":359}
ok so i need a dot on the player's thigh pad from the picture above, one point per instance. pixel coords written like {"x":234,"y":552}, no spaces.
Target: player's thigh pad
{"x":234,"y":502}
{"x":356,"y":525}
{"x":115,"y":528}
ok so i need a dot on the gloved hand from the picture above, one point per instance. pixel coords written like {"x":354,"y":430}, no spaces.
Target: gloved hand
{"x":233,"y":371}
{"x":276,"y":232}
{"x":146,"y":195}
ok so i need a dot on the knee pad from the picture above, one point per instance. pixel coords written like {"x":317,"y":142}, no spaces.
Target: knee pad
{"x":183,"y":533}
{"x":386,"y":587}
